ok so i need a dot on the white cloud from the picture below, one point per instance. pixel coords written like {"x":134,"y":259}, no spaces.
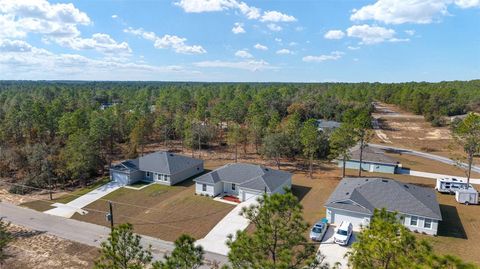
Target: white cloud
{"x":20,"y":60}
{"x":57,"y":20}
{"x":238,"y":28}
{"x":100,"y":42}
{"x":243,"y":54}
{"x":274,"y":27}
{"x":371,"y":34}
{"x":167,"y":41}
{"x":467,"y":3}
{"x":259,"y":46}
{"x":292,"y":43}
{"x":279,"y":40}
{"x":334,"y":34}
{"x":353,"y":48}
{"x":410,"y":32}
{"x":251,"y":12}
{"x":333,"y":56}
{"x":283,"y":52}
{"x":411,"y":11}
{"x":251,"y":65}
{"x":114,"y":16}
{"x":275,"y":16}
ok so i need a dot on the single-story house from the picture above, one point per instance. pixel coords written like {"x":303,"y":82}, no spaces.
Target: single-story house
{"x":327,"y":125}
{"x":373,"y":160}
{"x":160,"y":167}
{"x":355,"y":199}
{"x":243,"y":180}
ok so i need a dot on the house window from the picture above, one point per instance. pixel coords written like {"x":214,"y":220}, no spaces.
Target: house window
{"x":167,"y":178}
{"x":233,"y":186}
{"x":427,"y":224}
{"x":413,"y":221}
{"x":204,"y":187}
{"x":148,"y":174}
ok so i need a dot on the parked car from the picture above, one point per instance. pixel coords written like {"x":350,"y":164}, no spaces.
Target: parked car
{"x":343,"y":233}
{"x":319,"y":230}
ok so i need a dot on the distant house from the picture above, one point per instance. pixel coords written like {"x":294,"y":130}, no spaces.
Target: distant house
{"x":327,"y":125}
{"x":105,"y":105}
{"x":373,"y":160}
{"x":242,"y":180}
{"x":160,"y":167}
{"x":355,"y":199}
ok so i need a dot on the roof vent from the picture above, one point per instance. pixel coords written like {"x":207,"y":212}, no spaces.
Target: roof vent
{"x":171,"y":154}
{"x":384,"y":180}
{"x":366,"y":179}
{"x":347,"y":193}
{"x":406,"y":186}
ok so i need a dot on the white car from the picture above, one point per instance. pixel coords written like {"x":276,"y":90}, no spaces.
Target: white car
{"x":343,"y":233}
{"x":318,"y":230}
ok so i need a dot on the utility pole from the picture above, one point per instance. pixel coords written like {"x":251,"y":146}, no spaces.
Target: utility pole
{"x":50,"y":188}
{"x":109,"y":216}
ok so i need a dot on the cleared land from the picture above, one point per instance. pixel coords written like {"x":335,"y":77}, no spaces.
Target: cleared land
{"x":161,"y":211}
{"x":37,"y":250}
{"x":176,"y":210}
{"x":406,"y":130}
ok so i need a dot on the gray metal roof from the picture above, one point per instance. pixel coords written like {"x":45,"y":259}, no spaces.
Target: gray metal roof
{"x":363,"y":195}
{"x":159,"y":162}
{"x":328,"y":124}
{"x":249,"y":176}
{"x":371,"y":154}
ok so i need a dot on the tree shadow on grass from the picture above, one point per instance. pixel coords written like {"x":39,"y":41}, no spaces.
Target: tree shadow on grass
{"x":451,"y":225}
{"x":300,"y":191}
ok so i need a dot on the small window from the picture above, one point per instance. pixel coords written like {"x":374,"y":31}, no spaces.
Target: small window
{"x":148,"y":174}
{"x":427,"y":224}
{"x":413,"y":221}
{"x":233,"y":186}
{"x":204,"y":187}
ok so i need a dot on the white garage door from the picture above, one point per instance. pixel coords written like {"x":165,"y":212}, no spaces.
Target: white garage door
{"x":357,"y":220}
{"x":247,"y":195}
{"x":120,"y":178}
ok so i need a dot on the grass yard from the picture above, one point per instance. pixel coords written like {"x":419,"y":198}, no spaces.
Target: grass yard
{"x":160,"y":211}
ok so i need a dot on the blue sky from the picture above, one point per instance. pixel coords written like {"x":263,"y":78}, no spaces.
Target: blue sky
{"x":234,"y":40}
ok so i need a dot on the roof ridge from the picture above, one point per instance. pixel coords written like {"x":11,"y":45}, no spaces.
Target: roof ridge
{"x":402,"y":184}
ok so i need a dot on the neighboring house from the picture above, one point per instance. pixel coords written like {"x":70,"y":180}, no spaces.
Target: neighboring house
{"x":327,"y":125}
{"x":161,"y":167}
{"x":373,"y":160}
{"x":355,"y":199}
{"x":242,"y":180}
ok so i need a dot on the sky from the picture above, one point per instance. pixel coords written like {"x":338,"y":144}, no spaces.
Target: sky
{"x":237,"y":41}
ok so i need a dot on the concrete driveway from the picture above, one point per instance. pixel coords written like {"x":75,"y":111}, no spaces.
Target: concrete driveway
{"x":333,"y":252}
{"x":67,"y":210}
{"x":215,"y":240}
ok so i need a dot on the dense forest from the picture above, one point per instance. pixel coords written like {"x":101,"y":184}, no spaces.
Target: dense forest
{"x":68,"y":132}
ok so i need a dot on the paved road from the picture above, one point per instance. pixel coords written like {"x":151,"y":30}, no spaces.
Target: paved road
{"x":81,"y":232}
{"x":423,"y":154}
{"x":67,"y":210}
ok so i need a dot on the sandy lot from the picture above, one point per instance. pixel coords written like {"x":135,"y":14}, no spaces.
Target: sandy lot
{"x":404,"y":129}
{"x":37,"y":250}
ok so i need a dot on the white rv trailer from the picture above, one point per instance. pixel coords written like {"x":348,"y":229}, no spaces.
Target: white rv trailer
{"x":450,"y":185}
{"x":467,"y":196}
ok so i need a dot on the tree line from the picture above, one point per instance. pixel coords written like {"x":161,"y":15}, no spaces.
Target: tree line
{"x":61,"y":133}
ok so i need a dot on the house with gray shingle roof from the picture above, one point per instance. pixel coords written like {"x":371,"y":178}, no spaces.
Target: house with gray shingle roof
{"x":373,"y":160}
{"x":245,"y":181}
{"x":160,"y":167}
{"x":355,"y":200}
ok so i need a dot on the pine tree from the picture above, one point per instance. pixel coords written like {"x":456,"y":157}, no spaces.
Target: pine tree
{"x":185,"y":255}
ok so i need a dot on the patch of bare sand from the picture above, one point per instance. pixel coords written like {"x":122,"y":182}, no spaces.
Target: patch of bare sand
{"x":37,"y":250}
